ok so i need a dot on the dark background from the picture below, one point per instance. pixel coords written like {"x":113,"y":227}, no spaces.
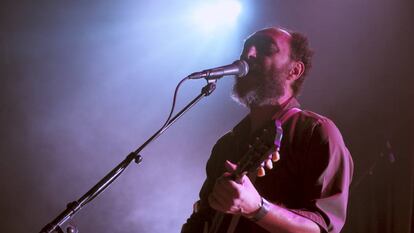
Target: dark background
{"x":83,"y":83}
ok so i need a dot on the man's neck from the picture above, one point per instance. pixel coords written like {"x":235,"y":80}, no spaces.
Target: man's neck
{"x":260,"y":115}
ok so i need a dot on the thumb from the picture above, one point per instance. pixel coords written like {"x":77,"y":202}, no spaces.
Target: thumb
{"x":230,"y":167}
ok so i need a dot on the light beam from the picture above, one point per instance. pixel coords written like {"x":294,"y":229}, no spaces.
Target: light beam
{"x":215,"y":16}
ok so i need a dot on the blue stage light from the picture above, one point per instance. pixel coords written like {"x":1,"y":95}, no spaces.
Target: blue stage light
{"x":217,"y":15}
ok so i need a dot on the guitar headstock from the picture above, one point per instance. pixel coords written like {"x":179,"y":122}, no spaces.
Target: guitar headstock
{"x":265,"y":142}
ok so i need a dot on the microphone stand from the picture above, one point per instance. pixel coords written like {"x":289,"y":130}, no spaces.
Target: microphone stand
{"x":73,"y":207}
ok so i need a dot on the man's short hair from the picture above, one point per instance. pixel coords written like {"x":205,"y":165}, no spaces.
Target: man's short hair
{"x":300,"y":51}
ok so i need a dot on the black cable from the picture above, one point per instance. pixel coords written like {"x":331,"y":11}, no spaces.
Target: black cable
{"x":173,"y":103}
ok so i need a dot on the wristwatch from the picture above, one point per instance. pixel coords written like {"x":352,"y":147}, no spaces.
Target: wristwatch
{"x":263,"y":210}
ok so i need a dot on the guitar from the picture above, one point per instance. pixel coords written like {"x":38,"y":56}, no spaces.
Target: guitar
{"x":265,"y":142}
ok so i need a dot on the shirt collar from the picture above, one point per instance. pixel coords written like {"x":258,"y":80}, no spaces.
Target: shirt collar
{"x":244,"y":126}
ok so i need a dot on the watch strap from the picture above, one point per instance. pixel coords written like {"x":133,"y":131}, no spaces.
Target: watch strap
{"x":263,"y":210}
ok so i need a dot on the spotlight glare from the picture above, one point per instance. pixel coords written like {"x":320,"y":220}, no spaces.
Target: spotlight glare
{"x":220,"y":14}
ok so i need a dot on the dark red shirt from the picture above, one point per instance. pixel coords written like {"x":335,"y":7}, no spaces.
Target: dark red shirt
{"x":312,"y":177}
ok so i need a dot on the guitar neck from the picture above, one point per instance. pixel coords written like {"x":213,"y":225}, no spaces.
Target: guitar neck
{"x":268,"y":140}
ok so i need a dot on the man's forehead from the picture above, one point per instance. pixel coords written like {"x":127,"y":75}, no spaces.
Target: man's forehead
{"x":274,"y":34}
{"x":273,"y":31}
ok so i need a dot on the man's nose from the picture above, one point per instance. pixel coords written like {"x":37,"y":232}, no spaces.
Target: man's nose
{"x":250,"y":52}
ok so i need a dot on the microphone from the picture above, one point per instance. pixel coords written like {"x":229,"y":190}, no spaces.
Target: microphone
{"x":239,"y":68}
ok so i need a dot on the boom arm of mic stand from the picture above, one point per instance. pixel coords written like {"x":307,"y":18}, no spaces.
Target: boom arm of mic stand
{"x":73,"y":207}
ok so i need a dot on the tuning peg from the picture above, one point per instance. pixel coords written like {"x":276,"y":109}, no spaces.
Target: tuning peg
{"x":261,"y":172}
{"x":269,"y":164}
{"x":275,"y":156}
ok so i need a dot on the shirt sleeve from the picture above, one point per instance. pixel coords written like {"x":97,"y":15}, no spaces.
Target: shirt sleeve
{"x":328,"y":172}
{"x":203,"y":213}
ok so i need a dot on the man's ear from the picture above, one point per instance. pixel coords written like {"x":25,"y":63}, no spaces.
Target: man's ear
{"x":297,"y":70}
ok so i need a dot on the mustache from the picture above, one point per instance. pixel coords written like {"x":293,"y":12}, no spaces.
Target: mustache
{"x":254,"y":67}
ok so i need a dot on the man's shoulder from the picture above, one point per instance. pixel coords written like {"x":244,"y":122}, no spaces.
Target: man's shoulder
{"x":321,"y":124}
{"x":315,"y":118}
{"x":239,"y":129}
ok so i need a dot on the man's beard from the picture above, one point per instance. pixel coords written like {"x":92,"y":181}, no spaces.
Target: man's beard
{"x":257,"y":89}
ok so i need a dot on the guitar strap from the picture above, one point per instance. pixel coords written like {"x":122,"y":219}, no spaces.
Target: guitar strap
{"x":283,"y":118}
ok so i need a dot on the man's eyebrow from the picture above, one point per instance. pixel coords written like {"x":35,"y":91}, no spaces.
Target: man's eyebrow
{"x":270,"y":41}
{"x":275,"y":43}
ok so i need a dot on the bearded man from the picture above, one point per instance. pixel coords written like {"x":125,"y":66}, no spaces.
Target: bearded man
{"x":307,"y":189}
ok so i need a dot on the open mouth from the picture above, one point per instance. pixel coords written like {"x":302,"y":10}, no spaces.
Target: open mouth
{"x":253,"y":67}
